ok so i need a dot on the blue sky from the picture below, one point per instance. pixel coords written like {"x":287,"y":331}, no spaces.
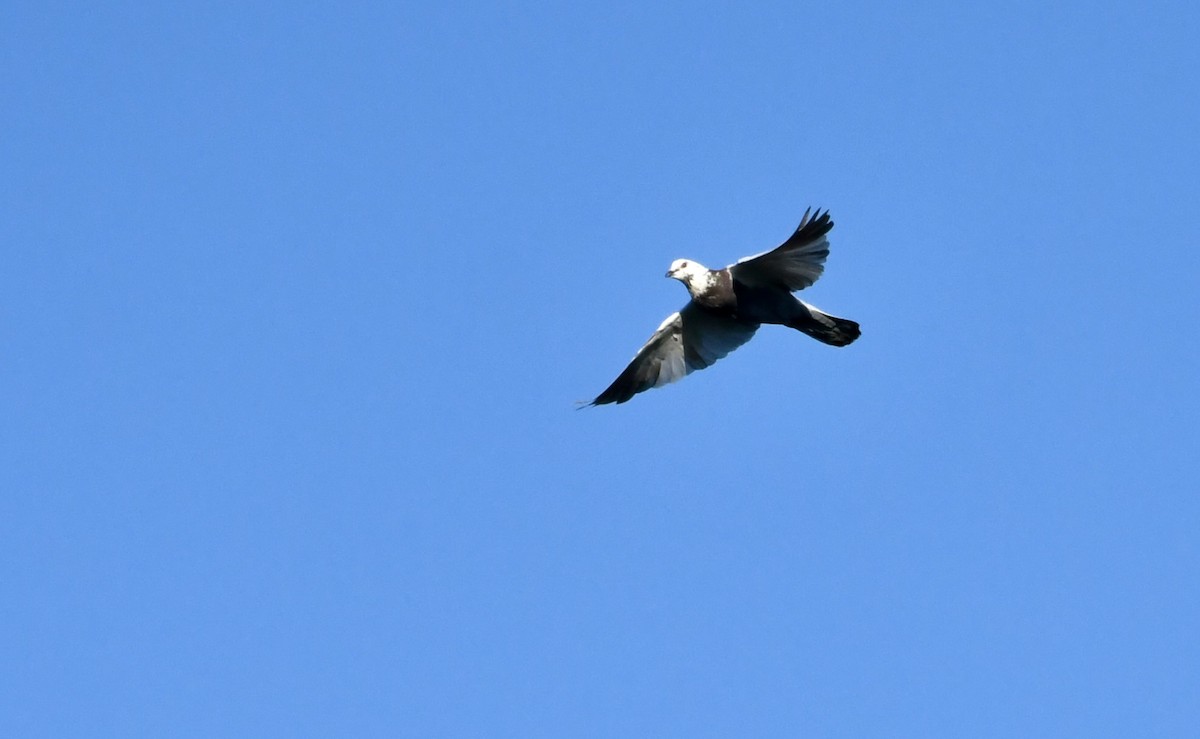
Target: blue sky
{"x":297,"y":302}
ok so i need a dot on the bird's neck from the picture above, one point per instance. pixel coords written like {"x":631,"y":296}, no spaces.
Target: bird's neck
{"x":713,"y":289}
{"x":699,"y":284}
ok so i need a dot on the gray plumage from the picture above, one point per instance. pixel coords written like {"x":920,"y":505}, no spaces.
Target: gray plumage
{"x":727,"y":306}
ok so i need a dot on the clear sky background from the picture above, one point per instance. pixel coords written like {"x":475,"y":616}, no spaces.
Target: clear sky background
{"x":297,"y":300}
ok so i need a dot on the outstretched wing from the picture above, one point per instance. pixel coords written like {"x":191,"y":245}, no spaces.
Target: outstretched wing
{"x":796,"y":263}
{"x":689,"y":340}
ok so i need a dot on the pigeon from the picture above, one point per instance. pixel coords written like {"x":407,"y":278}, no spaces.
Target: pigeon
{"x":728,"y":305}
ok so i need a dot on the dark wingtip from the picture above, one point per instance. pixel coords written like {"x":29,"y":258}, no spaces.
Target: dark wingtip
{"x":620,"y":391}
{"x":815,"y":220}
{"x":608,"y":397}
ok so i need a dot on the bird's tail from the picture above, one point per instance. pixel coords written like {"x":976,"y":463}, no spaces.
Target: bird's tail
{"x":826,"y":328}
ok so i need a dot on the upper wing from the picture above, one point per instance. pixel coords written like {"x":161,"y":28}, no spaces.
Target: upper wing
{"x":689,"y":340}
{"x":796,"y":263}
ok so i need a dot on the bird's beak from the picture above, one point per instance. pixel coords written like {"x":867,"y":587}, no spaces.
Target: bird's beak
{"x":670,"y":273}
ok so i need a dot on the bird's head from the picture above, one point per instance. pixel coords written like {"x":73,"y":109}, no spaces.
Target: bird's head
{"x":689,"y":272}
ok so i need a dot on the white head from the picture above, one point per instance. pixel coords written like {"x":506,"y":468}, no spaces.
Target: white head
{"x":690,"y":273}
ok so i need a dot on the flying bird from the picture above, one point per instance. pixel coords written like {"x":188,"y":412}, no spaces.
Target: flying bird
{"x":728,"y":305}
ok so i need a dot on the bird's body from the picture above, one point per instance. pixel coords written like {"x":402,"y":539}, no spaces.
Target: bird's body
{"x":728,"y":305}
